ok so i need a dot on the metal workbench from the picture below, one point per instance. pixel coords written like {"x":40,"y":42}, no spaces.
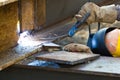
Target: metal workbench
{"x":104,"y":68}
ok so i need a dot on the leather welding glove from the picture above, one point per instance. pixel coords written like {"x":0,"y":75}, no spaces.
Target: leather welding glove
{"x":75,"y":47}
{"x":107,"y":14}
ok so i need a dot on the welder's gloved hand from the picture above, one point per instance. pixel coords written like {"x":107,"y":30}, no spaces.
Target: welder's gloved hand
{"x":106,"y":14}
{"x":75,"y":47}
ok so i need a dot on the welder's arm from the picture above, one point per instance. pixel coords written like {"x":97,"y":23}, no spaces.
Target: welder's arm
{"x":107,"y":14}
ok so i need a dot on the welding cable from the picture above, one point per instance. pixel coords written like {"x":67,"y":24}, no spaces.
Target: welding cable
{"x":89,"y":27}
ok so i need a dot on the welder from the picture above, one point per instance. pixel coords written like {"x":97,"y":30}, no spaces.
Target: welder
{"x":106,"y":14}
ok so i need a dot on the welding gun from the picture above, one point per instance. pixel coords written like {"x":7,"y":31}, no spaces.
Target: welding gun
{"x":75,"y":27}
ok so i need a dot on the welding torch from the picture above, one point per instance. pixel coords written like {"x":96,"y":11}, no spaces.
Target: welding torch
{"x":78,"y":24}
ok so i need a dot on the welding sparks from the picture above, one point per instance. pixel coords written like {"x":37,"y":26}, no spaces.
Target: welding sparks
{"x":26,"y":40}
{"x":18,"y":27}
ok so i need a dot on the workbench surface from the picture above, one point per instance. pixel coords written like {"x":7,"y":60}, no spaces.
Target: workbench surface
{"x":108,"y":66}
{"x":103,"y":65}
{"x":104,"y":68}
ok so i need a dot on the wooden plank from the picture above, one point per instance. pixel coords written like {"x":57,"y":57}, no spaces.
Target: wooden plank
{"x":11,"y":56}
{"x":70,"y":58}
{"x":5,"y":2}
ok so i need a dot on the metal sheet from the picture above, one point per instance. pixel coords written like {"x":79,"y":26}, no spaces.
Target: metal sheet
{"x":13,"y":55}
{"x":103,"y":65}
{"x":70,"y":58}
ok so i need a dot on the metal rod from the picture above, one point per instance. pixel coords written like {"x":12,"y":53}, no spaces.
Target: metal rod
{"x":38,"y":73}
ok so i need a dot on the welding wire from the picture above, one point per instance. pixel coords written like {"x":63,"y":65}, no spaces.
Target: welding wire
{"x":53,"y":38}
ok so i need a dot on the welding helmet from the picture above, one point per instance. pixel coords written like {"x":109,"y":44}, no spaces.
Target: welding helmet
{"x":96,"y":42}
{"x":112,"y":40}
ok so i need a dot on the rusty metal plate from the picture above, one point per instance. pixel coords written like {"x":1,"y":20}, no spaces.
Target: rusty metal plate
{"x":70,"y":58}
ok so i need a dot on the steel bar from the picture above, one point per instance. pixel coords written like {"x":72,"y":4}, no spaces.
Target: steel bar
{"x":37,"y":73}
